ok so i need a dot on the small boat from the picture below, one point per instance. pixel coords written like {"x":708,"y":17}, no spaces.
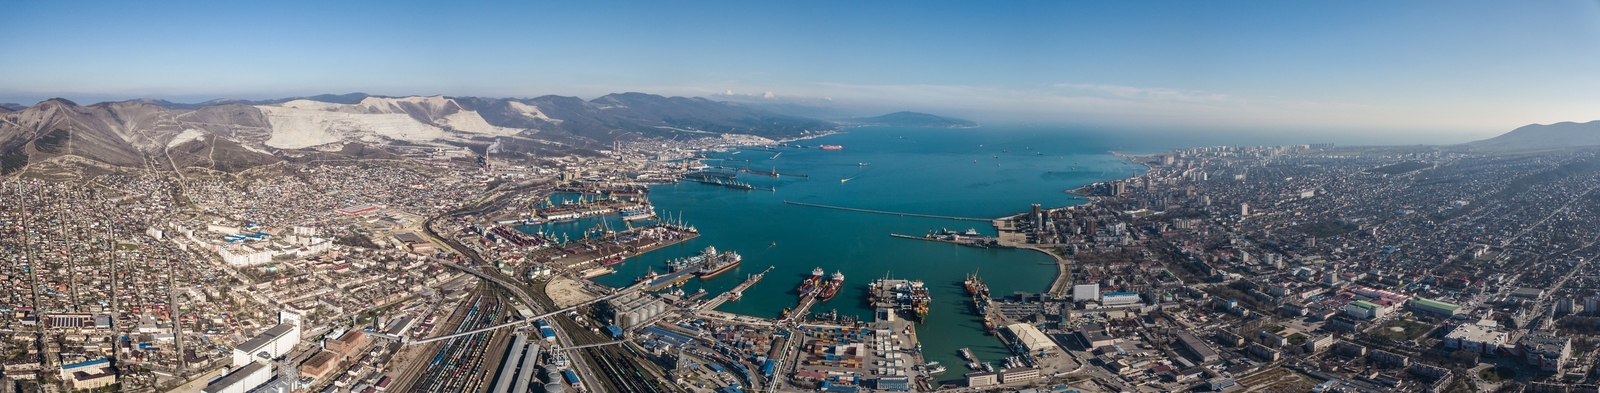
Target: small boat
{"x":862,"y":164}
{"x":965,"y":353}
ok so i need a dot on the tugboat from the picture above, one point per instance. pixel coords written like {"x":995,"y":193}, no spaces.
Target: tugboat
{"x":831,"y":288}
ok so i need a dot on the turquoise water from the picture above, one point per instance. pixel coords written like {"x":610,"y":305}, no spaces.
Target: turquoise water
{"x":928,"y":171}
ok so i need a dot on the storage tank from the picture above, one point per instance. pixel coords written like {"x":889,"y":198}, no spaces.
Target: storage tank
{"x":552,"y":377}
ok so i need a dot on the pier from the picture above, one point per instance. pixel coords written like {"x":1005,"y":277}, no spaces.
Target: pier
{"x":889,"y":212}
{"x":723,"y":298}
{"x":730,"y":184}
{"x":772,"y":173}
{"x":803,"y":309}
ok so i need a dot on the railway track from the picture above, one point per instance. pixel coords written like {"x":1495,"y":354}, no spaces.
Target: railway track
{"x":455,"y":366}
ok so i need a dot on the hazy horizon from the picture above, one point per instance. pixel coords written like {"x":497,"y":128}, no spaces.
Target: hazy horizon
{"x":1440,"y":70}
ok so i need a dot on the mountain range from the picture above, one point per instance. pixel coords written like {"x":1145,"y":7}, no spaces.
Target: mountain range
{"x":910,"y":119}
{"x":234,"y":134}
{"x":1544,"y":136}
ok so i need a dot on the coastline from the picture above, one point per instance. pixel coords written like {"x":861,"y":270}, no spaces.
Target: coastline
{"x":1063,"y":278}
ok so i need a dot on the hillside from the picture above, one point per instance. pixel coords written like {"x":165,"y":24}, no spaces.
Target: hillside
{"x":1540,"y":136}
{"x":911,"y":119}
{"x":251,"y":132}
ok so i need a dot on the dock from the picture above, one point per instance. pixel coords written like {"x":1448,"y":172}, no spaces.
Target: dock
{"x":978,"y":242}
{"x":730,"y":184}
{"x":772,"y":173}
{"x":889,"y":212}
{"x":723,"y":297}
{"x":803,"y":309}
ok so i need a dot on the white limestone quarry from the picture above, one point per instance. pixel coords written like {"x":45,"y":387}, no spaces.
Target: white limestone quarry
{"x":532,"y":111}
{"x":185,"y":136}
{"x":305,"y":123}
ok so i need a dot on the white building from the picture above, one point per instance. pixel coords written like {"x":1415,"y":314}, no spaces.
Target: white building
{"x":270,"y":344}
{"x":1086,"y":292}
{"x":1030,"y":337}
{"x":241,"y":380}
{"x":1119,"y":298}
{"x":1482,"y":338}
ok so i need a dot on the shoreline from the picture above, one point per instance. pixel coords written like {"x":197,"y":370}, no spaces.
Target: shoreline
{"x":1063,"y":269}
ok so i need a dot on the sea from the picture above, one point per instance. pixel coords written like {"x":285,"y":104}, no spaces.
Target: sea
{"x":986,"y":172}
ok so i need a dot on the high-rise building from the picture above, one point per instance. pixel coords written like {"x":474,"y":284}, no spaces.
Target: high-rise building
{"x":1086,"y":292}
{"x":1244,"y":210}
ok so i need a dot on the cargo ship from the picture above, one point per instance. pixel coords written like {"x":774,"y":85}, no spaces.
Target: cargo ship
{"x":832,"y":147}
{"x":719,"y":263}
{"x":908,"y":298}
{"x":810,"y":283}
{"x":975,"y":286}
{"x":679,"y":264}
{"x":832,"y":287}
{"x":642,"y":212}
{"x":613,"y":261}
{"x":920,"y":300}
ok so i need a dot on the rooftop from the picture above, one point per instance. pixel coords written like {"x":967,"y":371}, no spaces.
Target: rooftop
{"x":261,"y":340}
{"x":1425,"y":302}
{"x":1477,"y":333}
{"x":234,"y":377}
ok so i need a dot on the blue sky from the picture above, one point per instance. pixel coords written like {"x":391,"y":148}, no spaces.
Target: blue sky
{"x":1432,"y":68}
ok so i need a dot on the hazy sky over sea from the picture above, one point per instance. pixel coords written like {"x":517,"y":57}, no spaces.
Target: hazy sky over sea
{"x":1429,"y":67}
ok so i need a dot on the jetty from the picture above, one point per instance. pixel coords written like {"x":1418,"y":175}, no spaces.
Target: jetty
{"x":772,"y":173}
{"x":723,"y":297}
{"x":801,"y":311}
{"x":730,"y":184}
{"x":889,"y":212}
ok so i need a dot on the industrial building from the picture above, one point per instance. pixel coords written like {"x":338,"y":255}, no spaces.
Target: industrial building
{"x":1202,"y":352}
{"x":633,"y":309}
{"x":1094,"y":336}
{"x":270,"y":344}
{"x":982,"y":378}
{"x":516,"y":370}
{"x":1436,"y":307}
{"x":241,"y":380}
{"x":1030,"y":337}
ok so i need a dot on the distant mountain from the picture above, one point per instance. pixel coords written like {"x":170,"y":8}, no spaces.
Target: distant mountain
{"x":245,"y":133}
{"x":10,"y":107}
{"x":910,"y":119}
{"x":1540,"y":136}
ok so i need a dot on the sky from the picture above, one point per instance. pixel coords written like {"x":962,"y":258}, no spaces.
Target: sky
{"x":1451,"y":69}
